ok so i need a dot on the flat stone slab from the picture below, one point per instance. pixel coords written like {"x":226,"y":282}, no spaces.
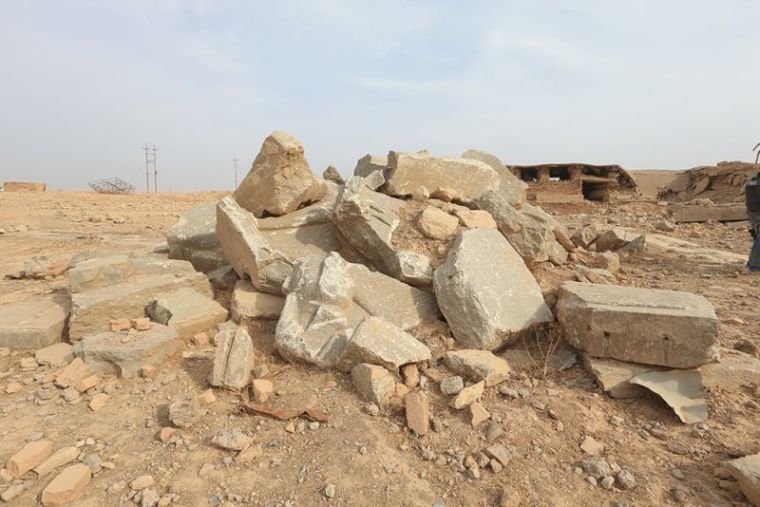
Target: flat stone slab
{"x":648,"y":326}
{"x":478,"y":365}
{"x":377,"y":341}
{"x":33,"y":324}
{"x":233,"y":360}
{"x":685,"y":213}
{"x":187,"y":311}
{"x":681,"y":389}
{"x":125,"y":353}
{"x":248,"y":303}
{"x":193,"y":238}
{"x":746,"y":471}
{"x":613,"y":376}
{"x":55,"y":355}
{"x":486,"y":292}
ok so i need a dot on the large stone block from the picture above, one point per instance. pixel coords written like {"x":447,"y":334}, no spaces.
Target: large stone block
{"x":116,"y":288}
{"x":486,"y":292}
{"x":377,"y":341}
{"x":193,"y":238}
{"x":265,"y":249}
{"x":125,"y":354}
{"x":367,"y":220}
{"x":187,"y":311}
{"x":462,"y":180}
{"x":33,"y":324}
{"x":648,"y":326}
{"x":370,"y":164}
{"x":233,"y":361}
{"x":248,"y":303}
{"x":684,"y":213}
{"x":326,"y":301}
{"x":510,"y":186}
{"x":280,"y":180}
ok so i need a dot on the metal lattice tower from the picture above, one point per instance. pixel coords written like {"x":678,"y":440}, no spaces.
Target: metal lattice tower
{"x":112,"y":186}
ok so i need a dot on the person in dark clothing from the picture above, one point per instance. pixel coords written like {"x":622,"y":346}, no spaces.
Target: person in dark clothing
{"x":752,"y":192}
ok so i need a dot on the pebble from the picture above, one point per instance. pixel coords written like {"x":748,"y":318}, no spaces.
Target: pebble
{"x":452,"y":385}
{"x":607,"y":482}
{"x":591,"y":480}
{"x":371,"y":409}
{"x":329,"y":490}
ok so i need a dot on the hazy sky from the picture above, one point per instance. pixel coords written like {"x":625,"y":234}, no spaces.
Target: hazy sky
{"x":647,"y":84}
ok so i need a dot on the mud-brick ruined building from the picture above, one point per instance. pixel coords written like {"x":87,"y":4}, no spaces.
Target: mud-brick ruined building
{"x":575,"y":182}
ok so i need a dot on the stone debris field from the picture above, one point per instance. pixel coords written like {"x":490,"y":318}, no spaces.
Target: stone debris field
{"x":418,"y":334}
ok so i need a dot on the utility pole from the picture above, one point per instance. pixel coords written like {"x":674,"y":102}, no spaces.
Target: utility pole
{"x":155,"y":170}
{"x":234,"y":162}
{"x":147,"y":171}
{"x":757,"y":158}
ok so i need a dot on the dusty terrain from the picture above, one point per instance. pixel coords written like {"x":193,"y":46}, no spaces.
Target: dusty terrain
{"x":373,"y":459}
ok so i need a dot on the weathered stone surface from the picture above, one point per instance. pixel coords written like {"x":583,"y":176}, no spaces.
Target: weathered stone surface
{"x":58,"y":458}
{"x":437,"y":224}
{"x":266,"y":249}
{"x":746,"y":471}
{"x":468,"y":396}
{"x":121,"y":287}
{"x":593,"y":275}
{"x":187,"y":311}
{"x":72,"y":373}
{"x":33,"y":324}
{"x":478,"y":365}
{"x":370,"y":164}
{"x":613,"y":239}
{"x":232,"y":440}
{"x":248,"y":303}
{"x":510,"y":186}
{"x":374,"y":383}
{"x":732,"y":370}
{"x":31,"y":455}
{"x":68,"y":485}
{"x":377,"y":341}
{"x":124,"y":354}
{"x":462,"y":180}
{"x":326,"y":301}
{"x":280,"y":179}
{"x":613,"y":376}
{"x":649,"y":326}
{"x":367,"y":220}
{"x":486,"y":292}
{"x":193,"y":238}
{"x":586,"y":235}
{"x":476,"y":219}
{"x":528,"y":231}
{"x":683,"y":213}
{"x":452,"y":385}
{"x":682,"y":390}
{"x":417,"y":411}
{"x":332,"y":174}
{"x":234,"y":359}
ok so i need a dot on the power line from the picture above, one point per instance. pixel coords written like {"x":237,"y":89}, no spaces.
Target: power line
{"x":155,"y":170}
{"x":150,"y":159}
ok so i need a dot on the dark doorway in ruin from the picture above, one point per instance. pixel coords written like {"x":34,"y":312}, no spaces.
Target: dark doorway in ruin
{"x":559,"y":173}
{"x":529,"y":174}
{"x":595,"y":191}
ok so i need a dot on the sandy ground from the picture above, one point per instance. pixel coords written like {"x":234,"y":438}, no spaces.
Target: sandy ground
{"x":373,"y":460}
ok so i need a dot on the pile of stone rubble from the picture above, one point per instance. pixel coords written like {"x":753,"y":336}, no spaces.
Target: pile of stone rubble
{"x":354,"y":272}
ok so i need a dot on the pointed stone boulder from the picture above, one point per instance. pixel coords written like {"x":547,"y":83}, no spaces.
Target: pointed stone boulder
{"x":510,"y":186}
{"x":486,"y":292}
{"x":280,"y":179}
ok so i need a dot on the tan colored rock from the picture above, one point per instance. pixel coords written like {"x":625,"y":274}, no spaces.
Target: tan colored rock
{"x":510,"y":186}
{"x":374,"y":383}
{"x":592,"y":275}
{"x":613,"y":376}
{"x":746,"y":471}
{"x":34,"y":323}
{"x":586,"y":235}
{"x":462,"y":179}
{"x":121,"y":287}
{"x":614,"y":239}
{"x":377,"y":341}
{"x":327,"y":300}
{"x":648,"y":326}
{"x":67,"y":486}
{"x":200,"y":339}
{"x":72,"y":373}
{"x":262,"y":389}
{"x":110,"y":353}
{"x":367,"y":220}
{"x":436,"y":224}
{"x":371,"y":164}
{"x":417,"y":411}
{"x":86,"y":383}
{"x":54,"y":355}
{"x":478,"y":414}
{"x":476,"y":219}
{"x":140,"y":324}
{"x":59,"y":458}
{"x":478,"y":365}
{"x":99,"y":401}
{"x":31,"y":455}
{"x":468,"y":396}
{"x":207,"y":398}
{"x":248,"y":303}
{"x":499,"y":453}
{"x":485,"y":291}
{"x":141,"y":482}
{"x":233,"y":361}
{"x":280,"y":179}
{"x":120,"y":324}
{"x":411,"y":375}
{"x":187,"y":311}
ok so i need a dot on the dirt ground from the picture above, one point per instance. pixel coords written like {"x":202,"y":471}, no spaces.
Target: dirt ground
{"x":374,"y":460}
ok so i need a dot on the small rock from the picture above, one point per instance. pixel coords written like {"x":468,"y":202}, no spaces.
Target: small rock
{"x":452,"y":385}
{"x":608,"y":482}
{"x":478,"y":414}
{"x":232,"y":440}
{"x":329,"y":490}
{"x":262,"y":389}
{"x":142,"y":482}
{"x":468,"y":396}
{"x":69,"y":484}
{"x":626,"y":480}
